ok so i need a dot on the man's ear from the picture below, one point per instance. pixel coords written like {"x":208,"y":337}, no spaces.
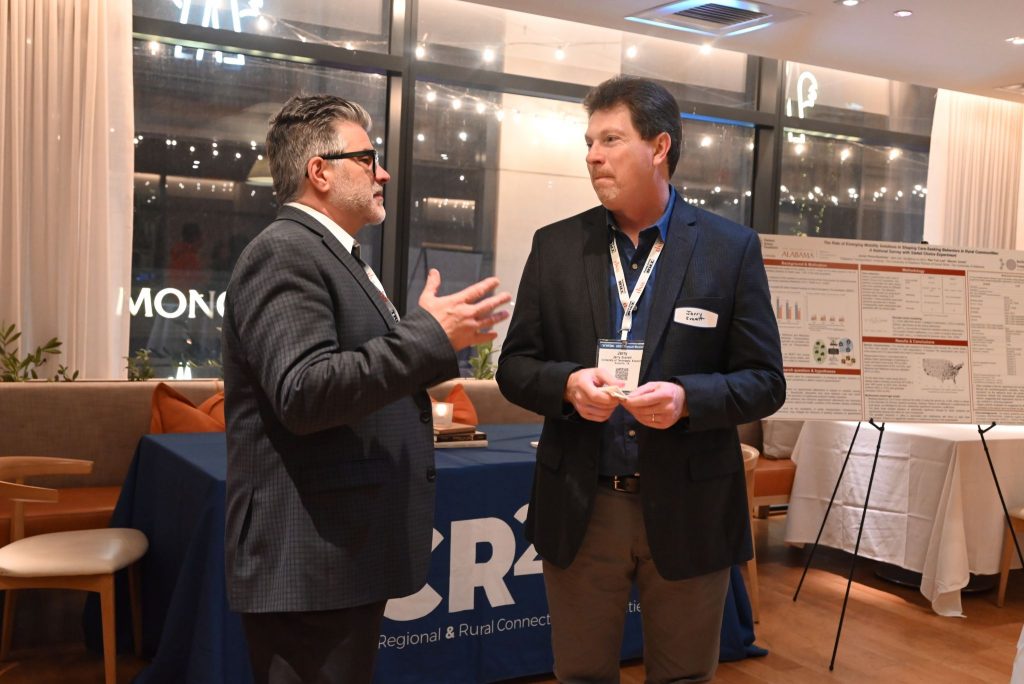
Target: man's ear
{"x":662,"y":144}
{"x":316,"y":174}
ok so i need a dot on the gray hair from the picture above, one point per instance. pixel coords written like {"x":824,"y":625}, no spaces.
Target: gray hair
{"x":652,"y":109}
{"x":303,"y":129}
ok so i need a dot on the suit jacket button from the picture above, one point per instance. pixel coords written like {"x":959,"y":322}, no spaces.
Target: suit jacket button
{"x":426,"y":417}
{"x":431,"y":474}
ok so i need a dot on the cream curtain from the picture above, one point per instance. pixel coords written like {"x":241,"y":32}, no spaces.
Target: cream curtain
{"x":66,"y":162}
{"x":975,"y":178}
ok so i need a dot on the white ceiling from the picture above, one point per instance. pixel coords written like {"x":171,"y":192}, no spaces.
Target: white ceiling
{"x":953,"y":44}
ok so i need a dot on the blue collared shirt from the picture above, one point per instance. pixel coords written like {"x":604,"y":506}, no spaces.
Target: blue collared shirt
{"x":619,"y":454}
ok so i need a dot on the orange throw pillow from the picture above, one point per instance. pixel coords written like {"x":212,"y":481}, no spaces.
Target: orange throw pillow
{"x":463,"y":410}
{"x":172,"y":412}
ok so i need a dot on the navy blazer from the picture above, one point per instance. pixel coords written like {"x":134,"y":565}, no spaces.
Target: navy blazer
{"x":691,"y":475}
{"x":330,"y":480}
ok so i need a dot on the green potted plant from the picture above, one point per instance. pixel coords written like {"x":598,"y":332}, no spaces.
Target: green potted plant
{"x":14,"y":368}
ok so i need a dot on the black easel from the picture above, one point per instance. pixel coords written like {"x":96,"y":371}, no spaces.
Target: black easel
{"x":860,"y":530}
{"x":999,"y":490}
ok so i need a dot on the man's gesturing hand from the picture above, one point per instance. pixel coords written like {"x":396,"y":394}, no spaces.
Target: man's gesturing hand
{"x":583,"y":391}
{"x":465,"y":316}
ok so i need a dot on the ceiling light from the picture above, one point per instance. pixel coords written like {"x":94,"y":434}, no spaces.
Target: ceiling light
{"x":488,"y":55}
{"x":421,"y":52}
{"x":631,"y":52}
{"x":902,"y":14}
{"x":848,"y":3}
{"x":705,"y":49}
{"x":1016,"y":40}
{"x":560,"y":54}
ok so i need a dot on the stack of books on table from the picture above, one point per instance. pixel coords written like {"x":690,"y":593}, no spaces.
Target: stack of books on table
{"x":458,"y":435}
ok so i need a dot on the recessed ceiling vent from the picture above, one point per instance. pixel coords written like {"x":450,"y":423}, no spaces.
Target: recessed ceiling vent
{"x":715,"y":19}
{"x":714,"y":14}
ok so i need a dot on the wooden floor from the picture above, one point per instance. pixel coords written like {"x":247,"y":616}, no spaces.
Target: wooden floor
{"x":890,"y":633}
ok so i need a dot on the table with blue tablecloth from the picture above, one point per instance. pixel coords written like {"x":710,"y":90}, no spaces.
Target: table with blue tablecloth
{"x":481,"y":617}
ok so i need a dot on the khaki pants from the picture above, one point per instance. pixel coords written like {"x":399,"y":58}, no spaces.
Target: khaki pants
{"x":682,"y":620}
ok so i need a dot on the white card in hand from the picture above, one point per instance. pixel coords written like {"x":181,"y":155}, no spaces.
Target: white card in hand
{"x":613,"y":390}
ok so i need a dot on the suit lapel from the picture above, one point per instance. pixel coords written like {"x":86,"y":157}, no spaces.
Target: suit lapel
{"x":342,"y":255}
{"x":672,"y":265}
{"x":595,"y":266}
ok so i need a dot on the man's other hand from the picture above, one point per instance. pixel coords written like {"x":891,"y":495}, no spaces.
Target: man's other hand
{"x":466,"y":316}
{"x":657,"y":405}
{"x":583,"y":391}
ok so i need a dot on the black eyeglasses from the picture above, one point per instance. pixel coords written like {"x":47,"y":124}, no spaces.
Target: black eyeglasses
{"x":367,"y":158}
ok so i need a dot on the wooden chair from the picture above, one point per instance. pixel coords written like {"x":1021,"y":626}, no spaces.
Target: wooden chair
{"x":750,"y":459}
{"x":1009,"y":552}
{"x":81,"y":559}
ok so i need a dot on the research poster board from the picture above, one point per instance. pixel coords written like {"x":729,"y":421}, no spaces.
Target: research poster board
{"x":898,"y":332}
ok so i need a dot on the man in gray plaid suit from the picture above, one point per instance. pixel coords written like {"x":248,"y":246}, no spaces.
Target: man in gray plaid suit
{"x":330,"y":483}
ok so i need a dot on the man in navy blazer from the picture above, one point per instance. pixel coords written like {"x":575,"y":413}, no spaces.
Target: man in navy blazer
{"x":330,"y":480}
{"x":649,"y":487}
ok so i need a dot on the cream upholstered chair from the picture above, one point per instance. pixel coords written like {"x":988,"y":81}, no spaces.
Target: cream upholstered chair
{"x":1017,"y":518}
{"x":82,"y":559}
{"x":750,"y":457}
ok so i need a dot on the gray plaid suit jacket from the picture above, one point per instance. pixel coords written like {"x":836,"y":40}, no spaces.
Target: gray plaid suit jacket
{"x":330,"y":481}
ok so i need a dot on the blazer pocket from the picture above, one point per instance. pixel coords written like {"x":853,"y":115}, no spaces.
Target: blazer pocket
{"x":549,"y":456}
{"x":707,"y":465}
{"x":549,"y":451}
{"x":346,"y":474}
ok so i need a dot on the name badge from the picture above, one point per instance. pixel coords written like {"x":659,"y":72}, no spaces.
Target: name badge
{"x":698,"y":318}
{"x":621,"y":360}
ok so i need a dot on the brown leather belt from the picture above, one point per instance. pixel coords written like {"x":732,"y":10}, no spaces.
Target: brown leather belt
{"x":620,"y":483}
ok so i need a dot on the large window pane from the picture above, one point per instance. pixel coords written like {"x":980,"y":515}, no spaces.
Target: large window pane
{"x":716,"y":167}
{"x":202,"y":187}
{"x":844,"y":189}
{"x":814,"y":92}
{"x":488,"y":170}
{"x":351,"y":24}
{"x":472,"y":35}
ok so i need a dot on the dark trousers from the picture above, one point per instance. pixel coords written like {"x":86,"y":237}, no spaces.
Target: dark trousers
{"x":320,"y":647}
